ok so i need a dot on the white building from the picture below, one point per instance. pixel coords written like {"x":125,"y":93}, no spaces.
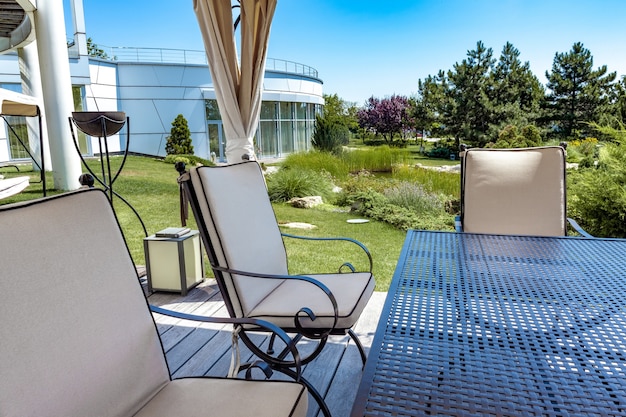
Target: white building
{"x":153,"y":86}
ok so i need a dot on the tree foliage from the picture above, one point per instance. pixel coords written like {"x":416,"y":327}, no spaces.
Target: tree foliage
{"x":578,"y":93}
{"x":512,"y":137}
{"x":179,"y":140}
{"x":386,"y":117}
{"x":471,"y":111}
{"x":431,"y":104}
{"x":329,"y":135}
{"x":341,"y":111}
{"x":94,"y":50}
{"x":479,"y":97}
{"x":515,"y":92}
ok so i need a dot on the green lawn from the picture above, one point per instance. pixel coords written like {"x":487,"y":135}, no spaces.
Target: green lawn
{"x":150,"y":186}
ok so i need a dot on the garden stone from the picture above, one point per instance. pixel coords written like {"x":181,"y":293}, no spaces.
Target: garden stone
{"x":298,"y":225}
{"x":306,"y":202}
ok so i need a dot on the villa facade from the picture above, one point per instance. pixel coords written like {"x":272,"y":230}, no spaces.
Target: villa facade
{"x":153,"y":86}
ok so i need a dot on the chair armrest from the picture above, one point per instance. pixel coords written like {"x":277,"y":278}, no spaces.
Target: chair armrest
{"x":577,"y":228}
{"x":303,"y":310}
{"x":345,"y":239}
{"x":270,"y":327}
{"x":458,"y":226}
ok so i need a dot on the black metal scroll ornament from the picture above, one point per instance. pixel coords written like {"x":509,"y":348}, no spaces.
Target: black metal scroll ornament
{"x":101,"y":125}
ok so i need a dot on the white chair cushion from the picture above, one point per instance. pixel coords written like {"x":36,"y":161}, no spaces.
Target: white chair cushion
{"x":515,"y":191}
{"x":352,"y":292}
{"x":242,"y":228}
{"x":203,"y":397}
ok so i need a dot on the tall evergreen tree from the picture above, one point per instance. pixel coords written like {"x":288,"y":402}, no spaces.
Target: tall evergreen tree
{"x":516,"y":92}
{"x":179,"y":140}
{"x":471,"y":112}
{"x":578,"y":93}
{"x":431,"y":104}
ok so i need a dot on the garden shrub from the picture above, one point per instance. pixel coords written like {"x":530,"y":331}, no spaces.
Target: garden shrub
{"x":329,"y":135}
{"x":414,"y":197}
{"x":447,"y":183}
{"x":376,"y":206}
{"x":439,"y":151}
{"x":286,"y":184}
{"x":188,"y":160}
{"x":596,"y":195}
{"x":512,"y":137}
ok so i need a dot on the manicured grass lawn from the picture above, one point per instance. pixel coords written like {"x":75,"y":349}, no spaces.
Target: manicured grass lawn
{"x":150,"y":186}
{"x":383,"y":241}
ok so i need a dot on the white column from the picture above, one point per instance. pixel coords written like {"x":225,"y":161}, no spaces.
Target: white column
{"x":57,"y":92}
{"x":80,"y":33}
{"x":31,"y":85}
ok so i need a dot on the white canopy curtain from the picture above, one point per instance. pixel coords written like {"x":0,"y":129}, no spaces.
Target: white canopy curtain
{"x":237,"y":88}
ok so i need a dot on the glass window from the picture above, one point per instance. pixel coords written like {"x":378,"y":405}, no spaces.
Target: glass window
{"x":301,"y":111}
{"x":286,"y":136}
{"x":268,"y":110}
{"x":212,"y":110}
{"x":301,"y":137}
{"x":78,"y":94}
{"x":286,"y":110}
{"x":268,"y":143}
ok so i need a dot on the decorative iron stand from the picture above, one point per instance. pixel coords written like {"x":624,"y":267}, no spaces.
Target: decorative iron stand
{"x":102,"y":124}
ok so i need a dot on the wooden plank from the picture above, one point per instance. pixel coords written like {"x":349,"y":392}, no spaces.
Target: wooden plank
{"x":321,"y":371}
{"x":342,"y":391}
{"x":194,"y":349}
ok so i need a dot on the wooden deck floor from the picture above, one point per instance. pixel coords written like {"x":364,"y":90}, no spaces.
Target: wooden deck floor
{"x":194,"y":349}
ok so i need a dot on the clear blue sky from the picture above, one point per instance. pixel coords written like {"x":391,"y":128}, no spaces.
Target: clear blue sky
{"x":365,"y":47}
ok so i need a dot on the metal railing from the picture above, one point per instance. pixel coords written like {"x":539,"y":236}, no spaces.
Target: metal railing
{"x":182,"y":56}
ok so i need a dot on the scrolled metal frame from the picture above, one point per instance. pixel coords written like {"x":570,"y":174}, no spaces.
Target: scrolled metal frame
{"x":290,"y":344}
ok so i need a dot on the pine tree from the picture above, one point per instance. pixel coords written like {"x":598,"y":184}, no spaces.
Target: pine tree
{"x":329,"y":135}
{"x":471,"y":114}
{"x":179,"y":141}
{"x":578,"y":94}
{"x":515,"y":92}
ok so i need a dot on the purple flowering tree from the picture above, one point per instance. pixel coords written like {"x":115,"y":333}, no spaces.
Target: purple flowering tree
{"x":386,"y":117}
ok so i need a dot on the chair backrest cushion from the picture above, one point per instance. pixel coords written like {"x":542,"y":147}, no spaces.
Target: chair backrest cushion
{"x":76,"y":335}
{"x":514,"y":191}
{"x":242,"y":230}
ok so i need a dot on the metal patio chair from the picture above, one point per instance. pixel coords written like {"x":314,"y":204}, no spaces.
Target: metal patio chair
{"x":515,"y":191}
{"x":77,"y":337}
{"x":248,"y":257}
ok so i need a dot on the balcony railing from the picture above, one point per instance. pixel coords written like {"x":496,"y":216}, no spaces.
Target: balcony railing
{"x":181,"y":56}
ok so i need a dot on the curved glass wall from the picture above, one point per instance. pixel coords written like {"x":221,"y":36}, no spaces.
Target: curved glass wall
{"x":284,"y":127}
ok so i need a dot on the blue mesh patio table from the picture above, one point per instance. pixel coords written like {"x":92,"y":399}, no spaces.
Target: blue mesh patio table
{"x":500,"y":325}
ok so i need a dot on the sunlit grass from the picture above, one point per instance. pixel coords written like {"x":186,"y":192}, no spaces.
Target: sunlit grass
{"x":447,"y":183}
{"x":150,"y":186}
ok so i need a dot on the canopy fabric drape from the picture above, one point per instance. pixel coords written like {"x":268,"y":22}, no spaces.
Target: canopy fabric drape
{"x":237,"y":88}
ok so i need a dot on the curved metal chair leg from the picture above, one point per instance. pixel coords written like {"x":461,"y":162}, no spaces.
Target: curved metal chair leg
{"x":270,"y":347}
{"x":277,"y":359}
{"x":359,"y":345}
{"x":314,"y":393}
